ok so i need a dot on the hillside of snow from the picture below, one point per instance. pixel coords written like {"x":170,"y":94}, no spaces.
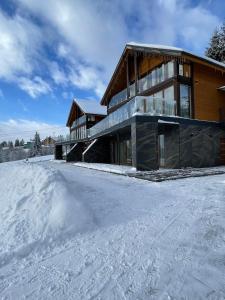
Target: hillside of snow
{"x":73,"y":233}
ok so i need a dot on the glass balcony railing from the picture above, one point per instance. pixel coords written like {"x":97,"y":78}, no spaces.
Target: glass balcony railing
{"x":156,"y":76}
{"x":116,"y":99}
{"x":79,"y":121}
{"x":139,"y":105}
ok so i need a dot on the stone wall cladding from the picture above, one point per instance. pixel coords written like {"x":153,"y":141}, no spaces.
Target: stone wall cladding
{"x":76,"y":153}
{"x":144,"y":136}
{"x":99,"y":152}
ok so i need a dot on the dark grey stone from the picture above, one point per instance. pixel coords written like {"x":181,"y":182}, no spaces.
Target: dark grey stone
{"x":144,"y":136}
{"x":99,"y":152}
{"x":75,"y":153}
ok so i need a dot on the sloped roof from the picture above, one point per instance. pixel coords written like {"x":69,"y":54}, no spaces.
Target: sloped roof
{"x":91,"y":107}
{"x":160,"y":50}
{"x":87,"y":107}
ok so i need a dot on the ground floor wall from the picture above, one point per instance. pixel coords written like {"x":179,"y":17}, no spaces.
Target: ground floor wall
{"x":184,"y":144}
{"x":149,"y":143}
{"x":98,"y":151}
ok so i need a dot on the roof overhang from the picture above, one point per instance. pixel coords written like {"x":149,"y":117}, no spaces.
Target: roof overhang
{"x":70,"y":113}
{"x":222,"y":88}
{"x":164,"y":51}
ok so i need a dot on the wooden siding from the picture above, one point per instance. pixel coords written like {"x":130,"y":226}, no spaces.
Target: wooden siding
{"x":209,"y":103}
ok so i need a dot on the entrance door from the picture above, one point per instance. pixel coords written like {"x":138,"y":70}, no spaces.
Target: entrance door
{"x":161,"y":143}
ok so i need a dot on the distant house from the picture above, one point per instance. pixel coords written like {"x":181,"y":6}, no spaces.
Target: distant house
{"x":48,"y":141}
{"x":165,"y":108}
{"x":83,"y":115}
{"x":28,"y":145}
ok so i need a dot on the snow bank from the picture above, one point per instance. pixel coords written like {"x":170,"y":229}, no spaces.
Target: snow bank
{"x":41,"y":158}
{"x":36,"y":207}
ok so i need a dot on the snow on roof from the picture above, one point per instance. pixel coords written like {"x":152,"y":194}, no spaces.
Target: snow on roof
{"x":170,"y":48}
{"x":91,"y":107}
{"x":154,"y":46}
{"x":222,"y":88}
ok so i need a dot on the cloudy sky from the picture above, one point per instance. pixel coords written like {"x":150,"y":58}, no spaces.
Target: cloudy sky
{"x":54,"y":50}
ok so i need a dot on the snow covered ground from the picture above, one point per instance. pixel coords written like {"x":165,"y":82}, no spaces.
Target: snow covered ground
{"x":73,"y":233}
{"x":117,"y":169}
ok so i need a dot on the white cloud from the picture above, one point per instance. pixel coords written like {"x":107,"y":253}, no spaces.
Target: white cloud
{"x":96,"y":31}
{"x":57,"y":74}
{"x":34,"y":87}
{"x":19,"y":40}
{"x":88,"y":37}
{"x":20,"y":128}
{"x":87,"y":78}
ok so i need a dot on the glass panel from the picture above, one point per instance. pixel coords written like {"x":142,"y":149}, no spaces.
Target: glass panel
{"x":181,"y":70}
{"x":116,"y":99}
{"x":184,"y":101}
{"x":153,"y":105}
{"x":169,"y":107}
{"x":153,"y":77}
{"x":132,"y":90}
{"x":170,"y":65}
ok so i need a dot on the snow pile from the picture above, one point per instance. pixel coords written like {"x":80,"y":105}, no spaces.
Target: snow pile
{"x":36,"y":207}
{"x":41,"y":158}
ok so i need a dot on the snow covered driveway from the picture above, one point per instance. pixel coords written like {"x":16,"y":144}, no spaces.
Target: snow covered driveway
{"x":72,"y":233}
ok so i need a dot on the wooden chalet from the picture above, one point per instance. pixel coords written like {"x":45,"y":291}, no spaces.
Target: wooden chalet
{"x":165,"y":108}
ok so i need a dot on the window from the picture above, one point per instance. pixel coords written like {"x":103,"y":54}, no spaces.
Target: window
{"x":91,"y":118}
{"x":170,"y":65}
{"x":184,"y":101}
{"x":185,"y":70}
{"x":181,"y":70}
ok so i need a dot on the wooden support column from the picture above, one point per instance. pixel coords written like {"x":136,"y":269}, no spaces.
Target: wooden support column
{"x":128,"y":79}
{"x":192,"y":102}
{"x":135,"y":73}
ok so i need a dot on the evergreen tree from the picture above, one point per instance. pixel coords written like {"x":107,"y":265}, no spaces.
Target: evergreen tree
{"x":37,"y":143}
{"x":10,"y":144}
{"x":17,"y":143}
{"x":222,"y":43}
{"x":22,"y":142}
{"x":216,"y":49}
{"x":4,"y":144}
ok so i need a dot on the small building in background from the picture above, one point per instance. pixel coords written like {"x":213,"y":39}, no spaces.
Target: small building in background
{"x":48,"y":141}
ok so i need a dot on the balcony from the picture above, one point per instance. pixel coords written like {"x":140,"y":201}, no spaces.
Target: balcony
{"x":156,"y":76}
{"x":79,"y":121}
{"x":140,"y":105}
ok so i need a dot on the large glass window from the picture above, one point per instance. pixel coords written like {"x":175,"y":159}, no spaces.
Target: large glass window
{"x":185,"y":100}
{"x":156,"y":76}
{"x":185,"y":70}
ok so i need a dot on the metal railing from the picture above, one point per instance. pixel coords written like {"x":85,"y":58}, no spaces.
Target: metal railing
{"x":139,"y":105}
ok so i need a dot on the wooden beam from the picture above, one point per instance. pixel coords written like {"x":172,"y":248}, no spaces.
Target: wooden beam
{"x":135,"y":73}
{"x":128,"y":79}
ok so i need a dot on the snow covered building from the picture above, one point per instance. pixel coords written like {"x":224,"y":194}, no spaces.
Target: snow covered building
{"x":82,"y":116}
{"x":165,"y":108}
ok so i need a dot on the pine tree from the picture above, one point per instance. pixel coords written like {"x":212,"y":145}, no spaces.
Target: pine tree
{"x":22,"y":142}
{"x":216,"y":49}
{"x":37,"y":143}
{"x":10,"y":145}
{"x":4,"y":144}
{"x":17,"y":143}
{"x":222,"y":43}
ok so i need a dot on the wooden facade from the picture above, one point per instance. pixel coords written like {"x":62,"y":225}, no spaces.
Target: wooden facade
{"x":207,"y":102}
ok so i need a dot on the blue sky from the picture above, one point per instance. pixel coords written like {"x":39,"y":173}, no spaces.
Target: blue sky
{"x":54,"y":50}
